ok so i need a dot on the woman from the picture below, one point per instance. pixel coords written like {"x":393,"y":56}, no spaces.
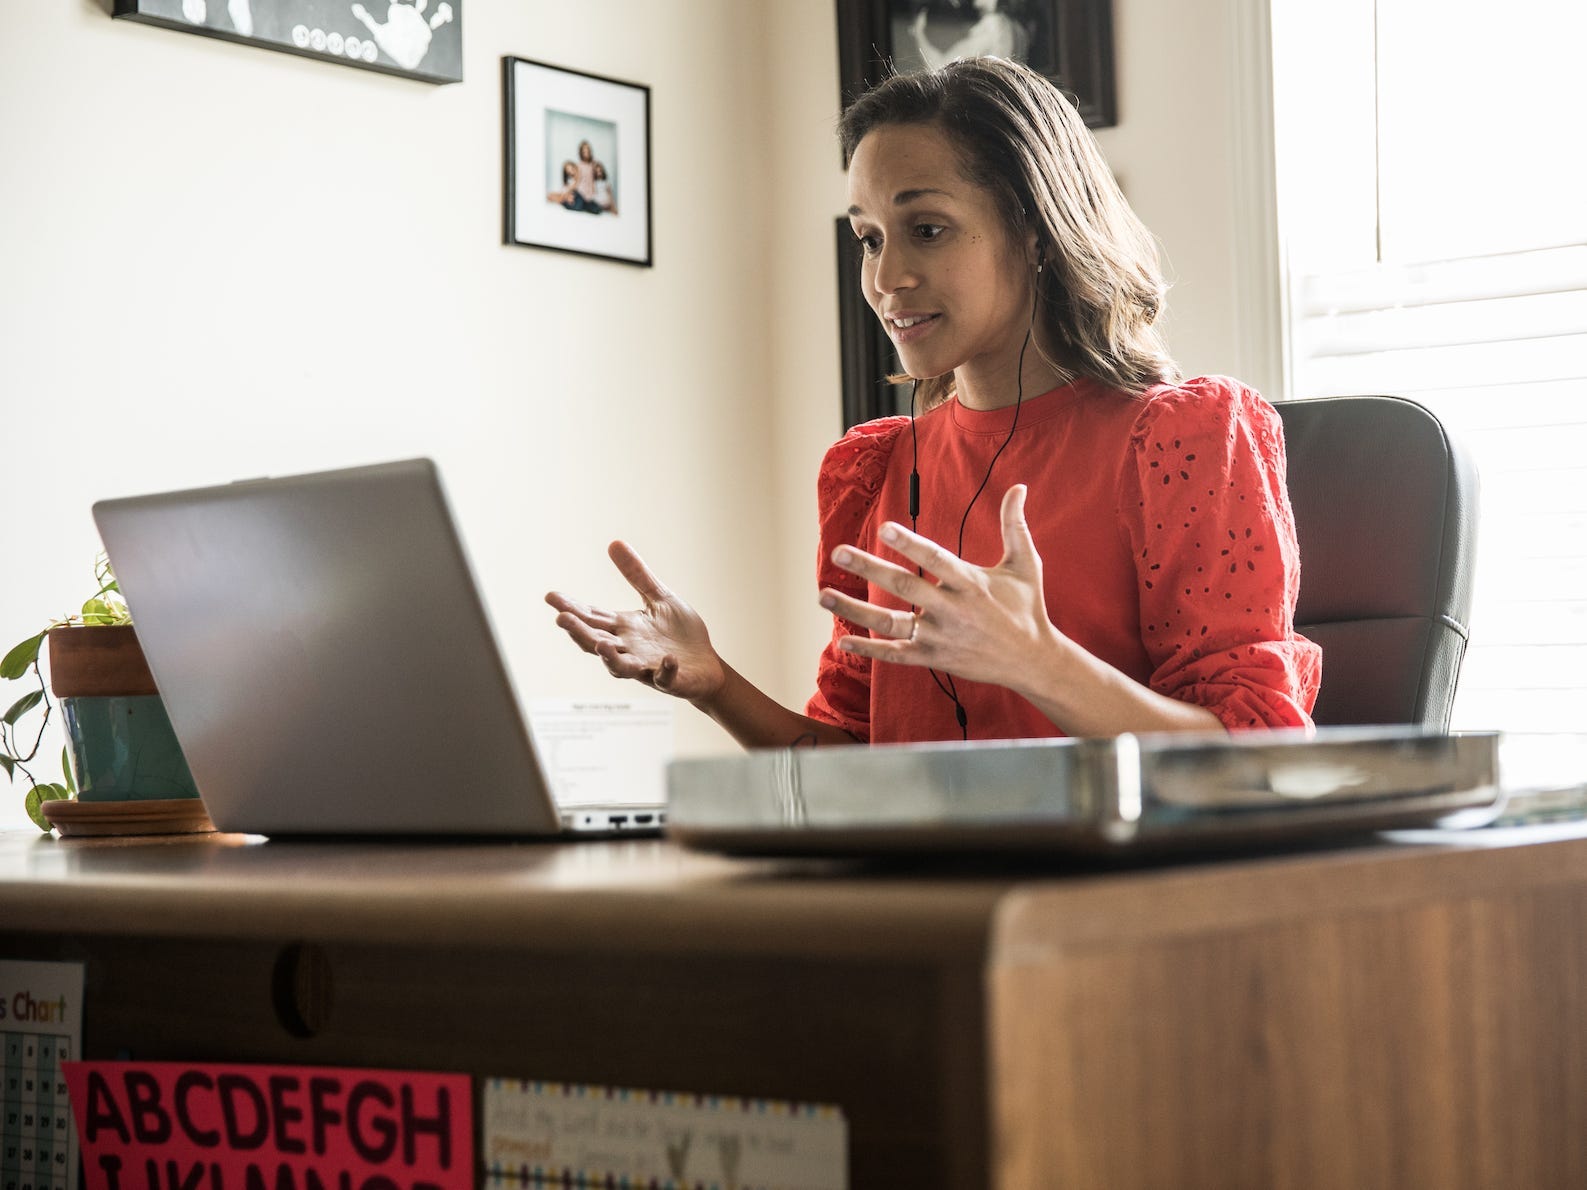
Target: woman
{"x":1139,"y":571}
{"x":584,"y":182}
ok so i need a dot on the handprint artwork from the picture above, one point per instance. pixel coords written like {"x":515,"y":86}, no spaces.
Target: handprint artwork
{"x":240,"y":12}
{"x":405,"y":37}
{"x":418,"y":38}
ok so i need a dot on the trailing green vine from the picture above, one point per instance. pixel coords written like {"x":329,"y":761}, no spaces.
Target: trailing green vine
{"x":105,"y":607}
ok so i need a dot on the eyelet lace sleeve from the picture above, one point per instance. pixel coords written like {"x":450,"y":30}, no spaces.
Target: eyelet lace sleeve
{"x":850,"y":478}
{"x":1208,"y":516}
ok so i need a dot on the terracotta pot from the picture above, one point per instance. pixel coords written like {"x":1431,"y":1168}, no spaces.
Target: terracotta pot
{"x":98,"y":662}
{"x":122,"y":745}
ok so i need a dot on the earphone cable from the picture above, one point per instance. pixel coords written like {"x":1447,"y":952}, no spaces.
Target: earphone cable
{"x":961,"y":716}
{"x":914,"y":525}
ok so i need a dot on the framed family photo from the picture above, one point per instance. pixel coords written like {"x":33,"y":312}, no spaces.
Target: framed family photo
{"x":418,"y":39}
{"x":577,"y":167}
{"x":1069,"y":41}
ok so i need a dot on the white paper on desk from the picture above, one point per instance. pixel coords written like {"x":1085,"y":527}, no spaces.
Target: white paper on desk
{"x":603,"y":753}
{"x":41,"y":1026}
{"x":558,"y":1134}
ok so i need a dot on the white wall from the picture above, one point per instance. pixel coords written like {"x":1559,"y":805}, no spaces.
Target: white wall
{"x":217,"y":261}
{"x":1193,"y":151}
{"x":807,"y":195}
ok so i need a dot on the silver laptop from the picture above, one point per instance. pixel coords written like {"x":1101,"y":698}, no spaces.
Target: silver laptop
{"x":327,"y":662}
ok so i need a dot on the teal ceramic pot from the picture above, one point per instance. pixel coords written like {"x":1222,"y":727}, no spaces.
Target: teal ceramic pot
{"x":123,"y":749}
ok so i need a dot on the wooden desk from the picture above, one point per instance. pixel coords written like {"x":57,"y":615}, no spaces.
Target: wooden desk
{"x":1383,"y":1016}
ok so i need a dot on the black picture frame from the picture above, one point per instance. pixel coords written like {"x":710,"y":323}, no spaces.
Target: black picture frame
{"x":867,"y":353}
{"x":550,"y":116}
{"x":419,"y":40}
{"x":1069,"y":41}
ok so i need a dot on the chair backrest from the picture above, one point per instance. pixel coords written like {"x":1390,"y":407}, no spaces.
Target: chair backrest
{"x":1386,"y":512}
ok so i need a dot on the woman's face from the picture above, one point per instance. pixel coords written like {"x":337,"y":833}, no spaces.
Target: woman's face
{"x":940,"y":268}
{"x":585,"y":152}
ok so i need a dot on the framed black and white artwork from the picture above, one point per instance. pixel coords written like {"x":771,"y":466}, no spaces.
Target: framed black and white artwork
{"x":1069,"y":41}
{"x":577,"y":166}
{"x":417,"y":39}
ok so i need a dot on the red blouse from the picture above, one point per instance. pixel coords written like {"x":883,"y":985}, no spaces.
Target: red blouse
{"x":1166,"y":537}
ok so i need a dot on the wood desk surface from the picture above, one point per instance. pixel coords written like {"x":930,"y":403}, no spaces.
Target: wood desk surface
{"x":1388,"y":1015}
{"x":639,"y":894}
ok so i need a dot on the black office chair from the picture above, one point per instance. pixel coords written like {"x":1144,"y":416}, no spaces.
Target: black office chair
{"x":1386,"y":513}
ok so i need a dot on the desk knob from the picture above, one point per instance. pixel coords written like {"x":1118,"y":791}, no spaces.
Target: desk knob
{"x":300,"y":989}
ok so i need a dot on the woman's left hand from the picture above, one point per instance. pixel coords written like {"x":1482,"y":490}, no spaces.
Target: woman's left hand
{"x":984,"y":624}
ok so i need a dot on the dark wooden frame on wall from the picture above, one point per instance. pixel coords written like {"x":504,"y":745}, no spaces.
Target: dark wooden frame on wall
{"x":867,"y":352}
{"x":1075,"y":51}
{"x":520,"y":99}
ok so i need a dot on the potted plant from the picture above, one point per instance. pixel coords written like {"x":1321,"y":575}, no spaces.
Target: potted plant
{"x":122,"y":770}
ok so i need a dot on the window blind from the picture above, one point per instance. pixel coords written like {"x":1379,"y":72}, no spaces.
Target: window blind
{"x":1496,"y":346}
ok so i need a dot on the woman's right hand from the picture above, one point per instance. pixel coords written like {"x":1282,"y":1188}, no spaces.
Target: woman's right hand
{"x":664,"y":644}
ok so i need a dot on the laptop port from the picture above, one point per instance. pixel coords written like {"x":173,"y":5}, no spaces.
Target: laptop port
{"x":644,"y":819}
{"x":617,"y":820}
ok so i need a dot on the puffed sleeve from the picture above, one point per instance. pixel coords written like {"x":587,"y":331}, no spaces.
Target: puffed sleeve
{"x":851,"y":475}
{"x":1204,"y":501}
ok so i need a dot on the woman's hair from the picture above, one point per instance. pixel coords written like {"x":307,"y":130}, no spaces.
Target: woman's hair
{"x":1101,"y":288}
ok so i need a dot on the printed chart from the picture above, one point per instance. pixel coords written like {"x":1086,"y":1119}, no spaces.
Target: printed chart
{"x":41,"y":1025}
{"x":539,"y":1134}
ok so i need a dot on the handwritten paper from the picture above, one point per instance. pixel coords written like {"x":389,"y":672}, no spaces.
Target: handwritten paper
{"x":177,"y":1126}
{"x":558,"y":1134}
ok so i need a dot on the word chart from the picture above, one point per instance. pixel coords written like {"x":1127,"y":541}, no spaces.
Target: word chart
{"x":41,"y":1026}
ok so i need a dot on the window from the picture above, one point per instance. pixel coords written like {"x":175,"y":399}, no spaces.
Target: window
{"x":1432,"y":195}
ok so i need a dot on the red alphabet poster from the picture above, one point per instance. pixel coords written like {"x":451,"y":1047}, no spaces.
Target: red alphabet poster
{"x":177,"y":1126}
